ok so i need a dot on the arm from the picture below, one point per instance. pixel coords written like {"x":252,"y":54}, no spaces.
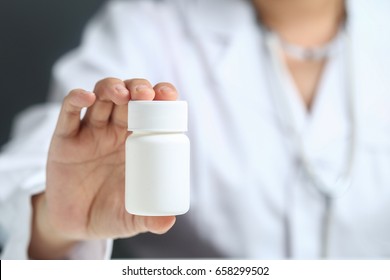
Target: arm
{"x":111,"y":45}
{"x":46,"y":242}
{"x":84,"y":197}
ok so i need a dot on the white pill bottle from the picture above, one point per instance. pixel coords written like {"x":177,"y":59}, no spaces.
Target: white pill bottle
{"x":157,"y":159}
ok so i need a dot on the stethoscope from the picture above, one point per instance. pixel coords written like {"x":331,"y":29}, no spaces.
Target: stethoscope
{"x":329,"y":191}
{"x":332,"y":190}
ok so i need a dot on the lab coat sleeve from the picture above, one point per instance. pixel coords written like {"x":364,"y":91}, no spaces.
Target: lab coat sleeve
{"x":22,"y":174}
{"x":103,"y":53}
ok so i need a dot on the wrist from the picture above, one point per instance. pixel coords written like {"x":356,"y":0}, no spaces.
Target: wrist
{"x":46,"y":242}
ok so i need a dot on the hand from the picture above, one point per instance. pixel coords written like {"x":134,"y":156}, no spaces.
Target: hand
{"x":84,"y":197}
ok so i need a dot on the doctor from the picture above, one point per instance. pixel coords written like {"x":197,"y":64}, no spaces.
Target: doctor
{"x":289,"y":124}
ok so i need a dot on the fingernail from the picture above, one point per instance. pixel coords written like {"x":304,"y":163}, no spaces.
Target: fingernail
{"x":141,"y":88}
{"x":166,"y":90}
{"x":122,"y":89}
{"x":86,"y":92}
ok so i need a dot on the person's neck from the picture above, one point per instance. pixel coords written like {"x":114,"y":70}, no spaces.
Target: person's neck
{"x":308,"y":23}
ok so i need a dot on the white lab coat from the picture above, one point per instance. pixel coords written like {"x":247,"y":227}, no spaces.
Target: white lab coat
{"x":249,"y":198}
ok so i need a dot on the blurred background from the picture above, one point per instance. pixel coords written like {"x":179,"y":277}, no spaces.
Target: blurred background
{"x":34,"y":34}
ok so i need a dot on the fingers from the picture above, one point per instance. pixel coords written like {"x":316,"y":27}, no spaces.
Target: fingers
{"x":110,"y":104}
{"x":165,"y":91}
{"x":141,"y":89}
{"x":157,"y":225}
{"x":109,"y":92}
{"x":69,"y":120}
{"x":160,"y":225}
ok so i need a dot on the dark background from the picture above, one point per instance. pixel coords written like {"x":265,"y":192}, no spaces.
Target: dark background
{"x":34,"y":34}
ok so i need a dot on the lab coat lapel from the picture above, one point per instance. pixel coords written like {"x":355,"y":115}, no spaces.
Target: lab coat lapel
{"x":231,"y":40}
{"x":221,"y":33}
{"x":229,"y":37}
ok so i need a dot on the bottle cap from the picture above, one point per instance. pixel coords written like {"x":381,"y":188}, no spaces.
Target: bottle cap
{"x":157,"y":115}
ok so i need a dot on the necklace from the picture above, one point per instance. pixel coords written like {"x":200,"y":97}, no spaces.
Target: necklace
{"x":307,"y":53}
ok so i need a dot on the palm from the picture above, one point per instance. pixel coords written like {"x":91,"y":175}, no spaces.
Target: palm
{"x":86,"y":164}
{"x":95,"y":190}
{"x":84,"y":196}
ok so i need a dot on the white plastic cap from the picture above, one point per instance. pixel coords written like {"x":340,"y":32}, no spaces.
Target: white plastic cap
{"x":157,"y":115}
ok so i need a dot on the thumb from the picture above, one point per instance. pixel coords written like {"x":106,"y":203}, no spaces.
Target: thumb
{"x":157,"y":225}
